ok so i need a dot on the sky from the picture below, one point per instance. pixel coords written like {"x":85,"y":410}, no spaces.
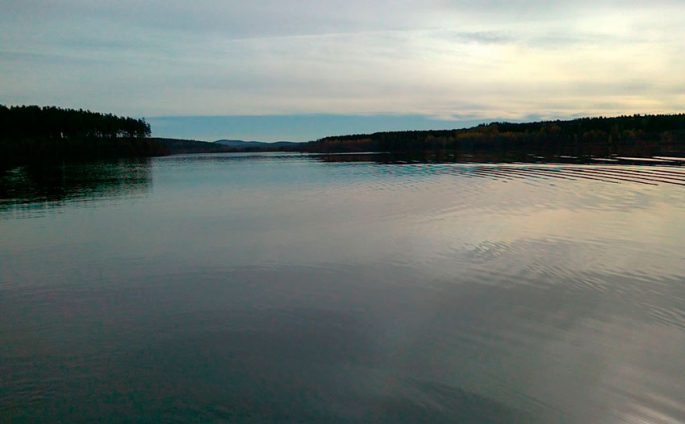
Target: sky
{"x":302,"y":69}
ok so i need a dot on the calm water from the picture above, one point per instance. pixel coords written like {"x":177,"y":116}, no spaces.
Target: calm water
{"x":243,"y":288}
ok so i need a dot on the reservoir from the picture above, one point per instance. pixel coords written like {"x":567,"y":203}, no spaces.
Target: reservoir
{"x":303,"y":288}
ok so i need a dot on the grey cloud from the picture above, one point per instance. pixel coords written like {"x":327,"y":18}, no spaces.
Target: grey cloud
{"x":487,"y":37}
{"x":434,"y":57}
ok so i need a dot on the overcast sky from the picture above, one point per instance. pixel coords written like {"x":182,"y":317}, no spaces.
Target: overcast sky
{"x":438,"y":60}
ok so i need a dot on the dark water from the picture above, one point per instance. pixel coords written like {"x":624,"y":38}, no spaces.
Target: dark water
{"x":242,"y":288}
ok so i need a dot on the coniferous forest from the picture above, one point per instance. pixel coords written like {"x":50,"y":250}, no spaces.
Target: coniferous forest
{"x":42,"y":133}
{"x":641,"y":134}
{"x":31,"y":133}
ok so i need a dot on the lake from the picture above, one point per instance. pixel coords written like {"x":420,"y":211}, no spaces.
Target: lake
{"x":296,"y":288}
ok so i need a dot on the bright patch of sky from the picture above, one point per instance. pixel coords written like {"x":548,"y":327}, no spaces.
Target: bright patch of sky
{"x":446,"y":61}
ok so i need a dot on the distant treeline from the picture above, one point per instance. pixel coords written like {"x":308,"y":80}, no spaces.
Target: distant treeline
{"x":43,"y":133}
{"x":593,"y":135}
{"x":180,"y":146}
{"x":31,"y":133}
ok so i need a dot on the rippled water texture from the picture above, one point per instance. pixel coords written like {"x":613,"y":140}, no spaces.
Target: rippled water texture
{"x":290,"y":288}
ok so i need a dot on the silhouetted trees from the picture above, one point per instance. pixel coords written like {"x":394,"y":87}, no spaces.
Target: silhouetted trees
{"x":58,"y":123}
{"x":603,"y":135}
{"x":45,"y":133}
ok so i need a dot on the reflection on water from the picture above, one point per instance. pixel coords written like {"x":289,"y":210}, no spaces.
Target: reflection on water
{"x":280,"y":287}
{"x":37,"y":186}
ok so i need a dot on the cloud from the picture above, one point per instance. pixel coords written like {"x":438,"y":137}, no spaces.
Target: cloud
{"x":435,"y":58}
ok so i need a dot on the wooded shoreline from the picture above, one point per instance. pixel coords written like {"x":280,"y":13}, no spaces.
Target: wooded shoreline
{"x":33,"y":133}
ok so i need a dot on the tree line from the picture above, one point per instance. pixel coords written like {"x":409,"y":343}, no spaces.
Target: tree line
{"x":602,"y":134}
{"x":59,"y":123}
{"x":34,"y":133}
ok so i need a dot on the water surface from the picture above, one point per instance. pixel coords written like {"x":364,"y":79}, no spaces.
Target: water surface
{"x":253,"y":288}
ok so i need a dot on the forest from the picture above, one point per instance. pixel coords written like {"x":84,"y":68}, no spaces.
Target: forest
{"x":33,"y":133}
{"x":42,"y":133}
{"x":648,"y":134}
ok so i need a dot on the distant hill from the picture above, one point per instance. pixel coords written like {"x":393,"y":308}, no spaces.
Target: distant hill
{"x":256,"y":145}
{"x":175,"y":146}
{"x":178,"y":146}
